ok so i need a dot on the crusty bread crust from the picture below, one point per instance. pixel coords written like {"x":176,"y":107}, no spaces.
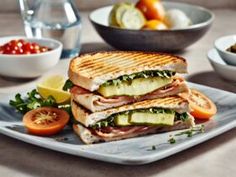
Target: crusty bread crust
{"x":91,"y":70}
{"x":87,"y":118}
{"x":88,"y":138}
{"x":85,"y":135}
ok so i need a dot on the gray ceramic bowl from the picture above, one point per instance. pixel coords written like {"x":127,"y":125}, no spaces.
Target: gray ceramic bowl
{"x":154,"y":40}
{"x":222,"y":44}
{"x":223,"y":69}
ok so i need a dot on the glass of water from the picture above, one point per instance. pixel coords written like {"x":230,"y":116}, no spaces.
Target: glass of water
{"x":57,"y":19}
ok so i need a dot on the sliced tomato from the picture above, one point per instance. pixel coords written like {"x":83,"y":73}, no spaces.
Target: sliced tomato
{"x":45,"y":121}
{"x":202,"y":107}
{"x":152,"y":9}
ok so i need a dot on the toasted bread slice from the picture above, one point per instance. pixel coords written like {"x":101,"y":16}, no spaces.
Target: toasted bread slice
{"x":91,"y":70}
{"x":87,"y":118}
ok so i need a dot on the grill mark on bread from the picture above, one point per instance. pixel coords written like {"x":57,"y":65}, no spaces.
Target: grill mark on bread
{"x":122,"y":59}
{"x":97,"y":59}
{"x":96,"y":68}
{"x":91,"y":70}
{"x":165,"y":60}
{"x":162,"y":101}
{"x":143,"y":61}
{"x":159,"y":102}
{"x":99,"y":65}
{"x":116,"y":69}
{"x":102,"y":53}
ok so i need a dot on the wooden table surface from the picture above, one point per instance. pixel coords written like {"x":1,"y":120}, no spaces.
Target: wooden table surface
{"x":214,"y":158}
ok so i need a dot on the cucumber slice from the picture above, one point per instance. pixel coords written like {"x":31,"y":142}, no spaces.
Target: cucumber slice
{"x":139,"y":86}
{"x":132,"y":18}
{"x":112,"y":20}
{"x":144,"y":118}
{"x":112,"y":16}
{"x":121,"y":10}
{"x":122,"y":120}
{"x":116,"y":13}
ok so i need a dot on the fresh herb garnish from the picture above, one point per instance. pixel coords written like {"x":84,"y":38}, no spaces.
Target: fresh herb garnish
{"x":172,"y":140}
{"x":61,"y":139}
{"x":104,"y":123}
{"x":32,"y":101}
{"x":190,"y":132}
{"x":154,"y":148}
{"x":67,"y":108}
{"x":184,"y":116}
{"x":157,"y":110}
{"x":68,"y":85}
{"x":143,"y":74}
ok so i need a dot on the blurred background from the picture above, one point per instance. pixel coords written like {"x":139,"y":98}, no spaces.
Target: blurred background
{"x":12,"y":5}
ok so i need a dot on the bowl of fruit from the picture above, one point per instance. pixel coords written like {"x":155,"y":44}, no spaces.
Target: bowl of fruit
{"x":151,"y":25}
{"x":22,"y":57}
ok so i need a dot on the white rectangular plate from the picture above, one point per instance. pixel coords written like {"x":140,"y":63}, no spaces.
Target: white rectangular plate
{"x":131,"y":151}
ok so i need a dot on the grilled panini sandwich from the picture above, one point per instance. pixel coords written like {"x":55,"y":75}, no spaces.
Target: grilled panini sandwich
{"x":119,"y":95}
{"x":110,"y":79}
{"x":140,"y":118}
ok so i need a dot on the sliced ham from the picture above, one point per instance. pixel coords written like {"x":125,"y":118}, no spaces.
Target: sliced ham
{"x":95,"y":102}
{"x":117,"y":133}
{"x":89,"y":135}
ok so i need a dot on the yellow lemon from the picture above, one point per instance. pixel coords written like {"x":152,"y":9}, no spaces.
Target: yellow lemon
{"x":54,"y":81}
{"x":52,"y":86}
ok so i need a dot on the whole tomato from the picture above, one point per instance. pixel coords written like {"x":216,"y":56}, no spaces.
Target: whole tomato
{"x":152,"y":9}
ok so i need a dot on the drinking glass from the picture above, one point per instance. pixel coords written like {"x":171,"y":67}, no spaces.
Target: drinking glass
{"x":57,"y":19}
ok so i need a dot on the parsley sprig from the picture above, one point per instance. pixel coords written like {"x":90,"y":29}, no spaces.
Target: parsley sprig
{"x":143,"y":74}
{"x":184,"y":116}
{"x":32,"y":101}
{"x":190,"y":132}
{"x":104,"y":123}
{"x":68,"y":85}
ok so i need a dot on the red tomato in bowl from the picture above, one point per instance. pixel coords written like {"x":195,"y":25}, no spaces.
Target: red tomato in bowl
{"x":19,"y":47}
{"x":152,"y":9}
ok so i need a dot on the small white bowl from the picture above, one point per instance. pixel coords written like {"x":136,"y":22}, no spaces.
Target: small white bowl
{"x":227,"y":72}
{"x":32,"y":65}
{"x":224,"y":43}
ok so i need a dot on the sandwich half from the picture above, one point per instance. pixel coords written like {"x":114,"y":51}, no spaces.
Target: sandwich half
{"x":140,"y":118}
{"x":106,"y":80}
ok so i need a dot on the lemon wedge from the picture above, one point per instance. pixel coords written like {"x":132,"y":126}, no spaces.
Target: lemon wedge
{"x":52,"y":86}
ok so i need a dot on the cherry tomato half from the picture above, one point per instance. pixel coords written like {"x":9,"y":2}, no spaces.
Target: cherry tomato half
{"x":45,"y":121}
{"x":202,"y":107}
